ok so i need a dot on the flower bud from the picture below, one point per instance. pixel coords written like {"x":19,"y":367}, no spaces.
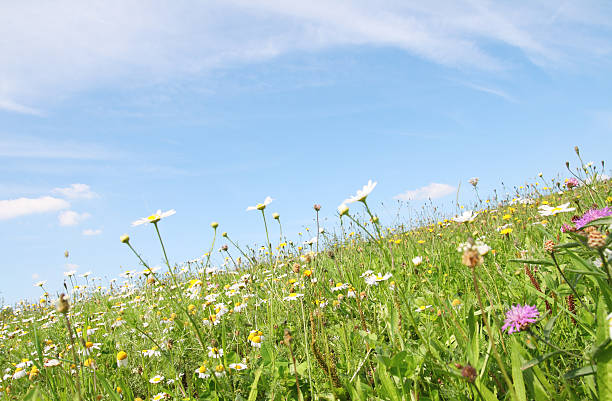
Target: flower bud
{"x":224,"y":234}
{"x":276,"y":216}
{"x":317,"y":207}
{"x":125,"y":238}
{"x":62,"y":304}
{"x":343,"y":209}
{"x":214,"y":225}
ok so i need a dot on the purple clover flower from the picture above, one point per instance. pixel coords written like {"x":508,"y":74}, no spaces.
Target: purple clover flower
{"x":518,"y":318}
{"x":591,"y":215}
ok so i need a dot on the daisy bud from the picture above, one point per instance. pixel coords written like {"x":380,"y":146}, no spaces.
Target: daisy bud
{"x":224,"y":247}
{"x":62,"y":304}
{"x":343,"y":209}
{"x":125,"y":238}
{"x":577,"y":150}
{"x":276,"y":216}
{"x":317,"y":207}
{"x":214,"y":225}
{"x":224,"y":235}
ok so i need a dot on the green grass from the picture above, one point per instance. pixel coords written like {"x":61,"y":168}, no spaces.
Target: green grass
{"x":431,"y":331}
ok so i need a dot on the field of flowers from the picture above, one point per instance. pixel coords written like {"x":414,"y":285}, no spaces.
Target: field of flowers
{"x":510,"y":299}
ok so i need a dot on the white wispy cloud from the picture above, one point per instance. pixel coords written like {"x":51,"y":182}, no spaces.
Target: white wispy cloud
{"x":72,"y":218}
{"x":13,"y":208}
{"x":144,"y":44}
{"x":76,"y":191}
{"x":38,"y":148}
{"x":432,"y":191}
{"x":490,"y":90}
{"x":9,"y":105}
{"x":91,"y":232}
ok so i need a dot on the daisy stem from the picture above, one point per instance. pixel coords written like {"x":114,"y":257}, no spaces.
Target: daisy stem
{"x":165,"y":256}
{"x":211,"y":247}
{"x":263,"y":214}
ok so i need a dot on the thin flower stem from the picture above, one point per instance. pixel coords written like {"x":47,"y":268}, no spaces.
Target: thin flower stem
{"x":491,"y":339}
{"x":263,"y":214}
{"x":211,"y":248}
{"x":165,"y":256}
{"x":552,"y":255}
{"x":74,"y":355}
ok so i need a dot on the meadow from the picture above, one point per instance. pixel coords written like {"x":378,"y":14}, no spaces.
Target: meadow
{"x":509,"y":299}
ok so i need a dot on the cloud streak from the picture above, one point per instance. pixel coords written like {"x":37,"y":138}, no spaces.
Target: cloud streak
{"x":431,"y":191}
{"x":141,"y":44}
{"x":12,"y":208}
{"x":76,"y":191}
{"x":72,"y":218}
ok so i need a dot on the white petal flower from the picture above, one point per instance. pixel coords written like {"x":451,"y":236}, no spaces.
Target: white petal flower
{"x":261,"y":206}
{"x":546,"y":210}
{"x":362,"y":193}
{"x":154,"y":218}
{"x":467,"y":217}
{"x":417,"y":260}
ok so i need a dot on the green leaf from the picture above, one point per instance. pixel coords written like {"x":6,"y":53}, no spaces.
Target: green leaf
{"x":109,"y":389}
{"x":603,"y":357}
{"x":583,"y":371}
{"x":539,"y":359}
{"x":253,"y":392}
{"x":387,"y":383}
{"x":517,"y":373}
{"x":549,"y":326}
{"x":568,"y":245}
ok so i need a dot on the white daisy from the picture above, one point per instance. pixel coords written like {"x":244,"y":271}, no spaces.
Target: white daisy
{"x":154,"y":218}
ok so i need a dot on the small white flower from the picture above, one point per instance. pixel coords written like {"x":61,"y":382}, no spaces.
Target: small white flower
{"x":422,"y":308}
{"x":467,"y":217}
{"x":261,"y":206}
{"x":293,"y":296}
{"x":215,"y":352}
{"x":19,"y":373}
{"x":40,"y":283}
{"x":362,"y":193}
{"x":238,"y":366}
{"x":417,"y":260}
{"x":340,"y":287}
{"x":52,"y":362}
{"x":159,"y":396}
{"x":546,"y":210}
{"x":154,"y":218}
{"x":156,"y":379}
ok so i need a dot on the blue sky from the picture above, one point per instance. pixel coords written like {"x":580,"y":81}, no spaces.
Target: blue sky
{"x":209,"y":109}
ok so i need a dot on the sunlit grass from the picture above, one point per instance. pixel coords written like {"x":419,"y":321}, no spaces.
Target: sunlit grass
{"x":509,"y":300}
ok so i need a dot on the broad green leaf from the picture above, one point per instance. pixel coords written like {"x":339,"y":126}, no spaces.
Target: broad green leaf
{"x":517,"y":373}
{"x":387,"y":383}
{"x":253,"y":392}
{"x":579,"y":372}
